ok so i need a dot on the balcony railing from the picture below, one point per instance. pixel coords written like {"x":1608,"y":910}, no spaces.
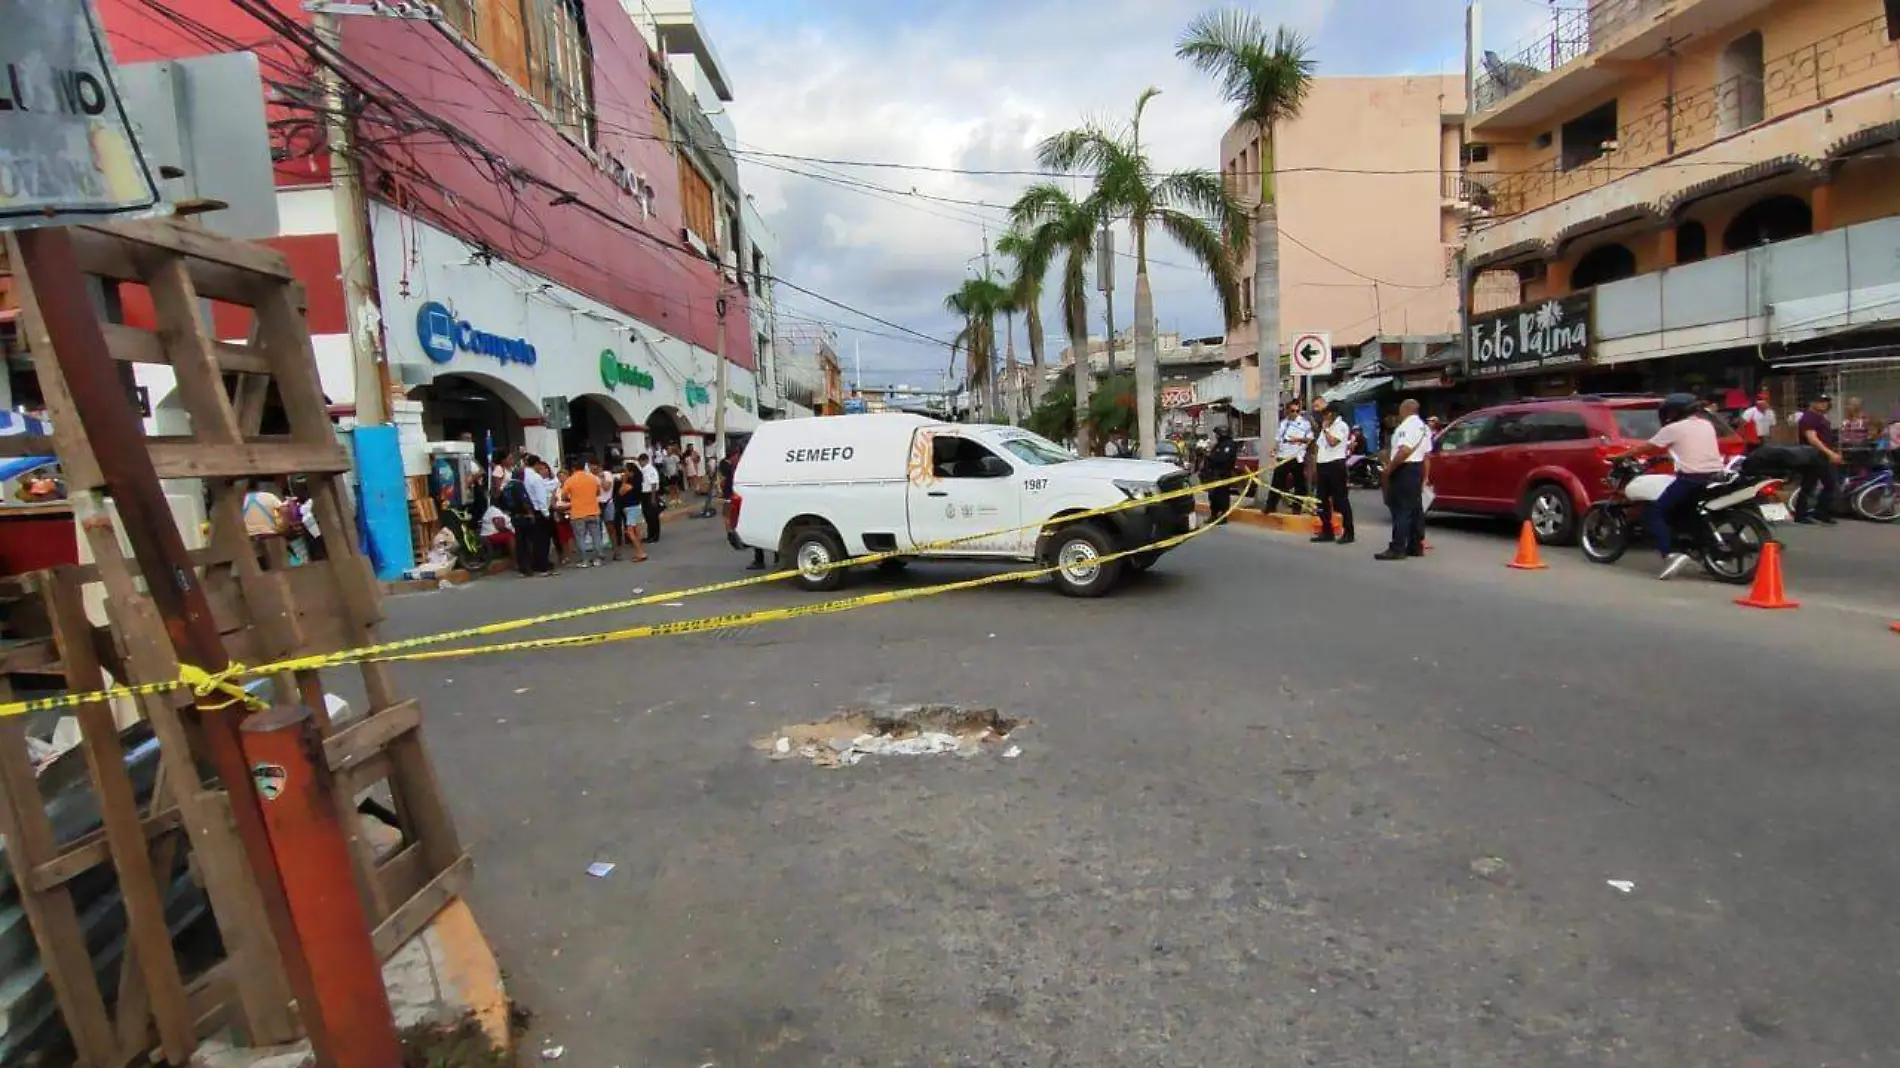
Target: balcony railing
{"x":1574,"y":32}
{"x":1469,"y":193}
{"x":1650,"y":134}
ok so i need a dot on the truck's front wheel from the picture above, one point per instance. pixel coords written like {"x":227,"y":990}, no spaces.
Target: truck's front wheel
{"x":1076,"y":552}
{"x":816,"y":553}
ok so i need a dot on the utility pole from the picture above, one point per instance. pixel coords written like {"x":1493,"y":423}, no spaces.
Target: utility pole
{"x":993,"y":398}
{"x":360,"y":301}
{"x":1105,"y":281}
{"x":719,"y":410}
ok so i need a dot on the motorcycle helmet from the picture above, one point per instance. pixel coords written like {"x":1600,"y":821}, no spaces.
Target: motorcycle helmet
{"x":1221,"y":432}
{"x":1676,"y":406}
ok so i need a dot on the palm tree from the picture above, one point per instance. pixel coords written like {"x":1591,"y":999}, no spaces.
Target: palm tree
{"x":1057,"y":225}
{"x":1266,"y":76}
{"x":978,"y":301}
{"x":1193,"y":207}
{"x":1026,"y":294}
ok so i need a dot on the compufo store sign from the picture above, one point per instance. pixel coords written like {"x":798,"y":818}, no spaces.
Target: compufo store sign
{"x":1551,"y":335}
{"x":613,"y":373}
{"x":442,"y":335}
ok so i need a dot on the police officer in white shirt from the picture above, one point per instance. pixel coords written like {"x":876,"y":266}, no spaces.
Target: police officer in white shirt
{"x":1335,"y":437}
{"x":1289,"y":457}
{"x":1405,"y":484}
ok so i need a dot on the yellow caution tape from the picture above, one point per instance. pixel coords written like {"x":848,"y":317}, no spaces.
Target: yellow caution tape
{"x":772,"y":615}
{"x":203,"y":683}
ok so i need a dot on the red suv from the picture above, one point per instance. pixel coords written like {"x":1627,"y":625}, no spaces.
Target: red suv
{"x":1542,"y":460}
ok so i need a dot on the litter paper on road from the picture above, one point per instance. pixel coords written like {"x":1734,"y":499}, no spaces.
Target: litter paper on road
{"x":600,"y":869}
{"x":553,"y":1053}
{"x":1622,"y":884}
{"x":916,"y":730}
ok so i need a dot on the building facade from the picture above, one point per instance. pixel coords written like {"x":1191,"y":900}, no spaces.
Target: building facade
{"x":554,"y":218}
{"x":1370,"y":210}
{"x":1691,"y":194}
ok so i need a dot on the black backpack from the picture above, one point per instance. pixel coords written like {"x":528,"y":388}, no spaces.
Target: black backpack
{"x":514,"y":497}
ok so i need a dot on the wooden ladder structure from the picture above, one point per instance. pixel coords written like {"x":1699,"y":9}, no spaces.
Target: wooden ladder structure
{"x":266,"y":610}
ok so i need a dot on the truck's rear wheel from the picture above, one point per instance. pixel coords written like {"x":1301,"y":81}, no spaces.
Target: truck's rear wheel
{"x":815,"y":553}
{"x":1076,"y":552}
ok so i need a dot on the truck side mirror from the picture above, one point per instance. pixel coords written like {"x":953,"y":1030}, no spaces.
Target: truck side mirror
{"x":994,"y":467}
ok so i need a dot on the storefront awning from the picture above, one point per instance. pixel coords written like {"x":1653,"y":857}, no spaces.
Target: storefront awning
{"x":1245,"y":405}
{"x":1355,"y":389}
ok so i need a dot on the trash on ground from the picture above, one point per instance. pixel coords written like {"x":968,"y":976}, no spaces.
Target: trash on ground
{"x":847,"y":738}
{"x":1489,"y":867}
{"x":553,"y":1053}
{"x":521,"y":691}
{"x":600,"y":869}
{"x":1012,"y":752}
{"x":1622,"y":884}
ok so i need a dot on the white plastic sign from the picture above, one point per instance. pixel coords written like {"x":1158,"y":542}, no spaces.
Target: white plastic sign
{"x":67,"y":151}
{"x":1312,"y":354}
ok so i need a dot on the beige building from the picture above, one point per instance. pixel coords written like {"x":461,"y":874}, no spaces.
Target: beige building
{"x":1370,"y":213}
{"x":1711,"y":187}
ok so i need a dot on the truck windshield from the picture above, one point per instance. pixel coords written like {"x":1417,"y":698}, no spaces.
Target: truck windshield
{"x":1040,"y":452}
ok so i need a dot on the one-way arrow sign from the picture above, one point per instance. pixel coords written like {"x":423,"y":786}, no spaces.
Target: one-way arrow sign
{"x":1313,"y":353}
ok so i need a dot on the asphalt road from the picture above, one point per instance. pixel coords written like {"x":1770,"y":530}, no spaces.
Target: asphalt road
{"x":1279,"y":805}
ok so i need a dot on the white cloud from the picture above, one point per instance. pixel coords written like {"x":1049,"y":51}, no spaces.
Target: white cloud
{"x":975,"y":84}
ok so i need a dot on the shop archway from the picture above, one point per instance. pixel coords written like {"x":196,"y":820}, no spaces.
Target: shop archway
{"x":593,"y":432}
{"x":474,"y":407}
{"x":667,"y":426}
{"x":1766,"y":221}
{"x":1601,"y":265}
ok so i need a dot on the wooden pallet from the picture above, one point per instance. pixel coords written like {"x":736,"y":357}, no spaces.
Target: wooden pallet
{"x":266,"y":610}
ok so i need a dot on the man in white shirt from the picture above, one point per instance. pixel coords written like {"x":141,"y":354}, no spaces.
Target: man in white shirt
{"x":652,"y":494}
{"x":1405,"y":484}
{"x":1758,"y":421}
{"x":1335,"y":437}
{"x":1289,"y":457}
{"x":538,"y":480}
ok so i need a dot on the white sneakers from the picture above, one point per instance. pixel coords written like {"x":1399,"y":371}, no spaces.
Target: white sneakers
{"x":1673,"y":565}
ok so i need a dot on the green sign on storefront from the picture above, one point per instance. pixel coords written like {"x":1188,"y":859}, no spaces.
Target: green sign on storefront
{"x":614,"y":373}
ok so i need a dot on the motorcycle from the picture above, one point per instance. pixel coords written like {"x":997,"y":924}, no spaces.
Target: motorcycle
{"x":1724,"y":529}
{"x":1362,"y":472}
{"x":470,"y":553}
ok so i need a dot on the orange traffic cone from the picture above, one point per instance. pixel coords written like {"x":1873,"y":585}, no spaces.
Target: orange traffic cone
{"x":1527,"y":557}
{"x":1767,"y":592}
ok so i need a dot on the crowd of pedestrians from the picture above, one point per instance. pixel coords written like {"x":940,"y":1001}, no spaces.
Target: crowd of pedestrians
{"x":579,"y":515}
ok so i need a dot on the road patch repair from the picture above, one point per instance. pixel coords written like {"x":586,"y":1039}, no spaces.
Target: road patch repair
{"x":847,"y":738}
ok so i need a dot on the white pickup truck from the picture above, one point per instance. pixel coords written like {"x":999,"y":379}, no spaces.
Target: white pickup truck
{"x":823,"y":490}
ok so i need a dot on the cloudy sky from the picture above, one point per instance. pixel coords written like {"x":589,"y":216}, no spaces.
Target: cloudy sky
{"x":973,"y":85}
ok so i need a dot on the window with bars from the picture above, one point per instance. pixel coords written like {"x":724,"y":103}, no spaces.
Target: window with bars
{"x":542,"y":46}
{"x":560,"y":64}
{"x":696,"y":202}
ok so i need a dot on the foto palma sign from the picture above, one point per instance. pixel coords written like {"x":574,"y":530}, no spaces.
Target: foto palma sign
{"x":614,"y":373}
{"x":1548,"y":335}
{"x":67,"y":151}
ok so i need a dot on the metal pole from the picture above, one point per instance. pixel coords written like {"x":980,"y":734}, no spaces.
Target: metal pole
{"x":360,"y":301}
{"x":300,"y":816}
{"x":711,"y":510}
{"x":112,"y":425}
{"x":1108,"y":289}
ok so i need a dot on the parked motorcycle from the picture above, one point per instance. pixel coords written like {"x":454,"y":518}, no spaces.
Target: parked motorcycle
{"x":470,"y":552}
{"x":1362,"y":472}
{"x":1724,"y":529}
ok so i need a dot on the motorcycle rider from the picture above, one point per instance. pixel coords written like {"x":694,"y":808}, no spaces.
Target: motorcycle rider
{"x":1691,"y":443}
{"x":1218,"y":464}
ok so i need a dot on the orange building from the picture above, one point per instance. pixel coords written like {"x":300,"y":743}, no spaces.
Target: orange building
{"x":1370,"y":213}
{"x":1708,"y":187}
